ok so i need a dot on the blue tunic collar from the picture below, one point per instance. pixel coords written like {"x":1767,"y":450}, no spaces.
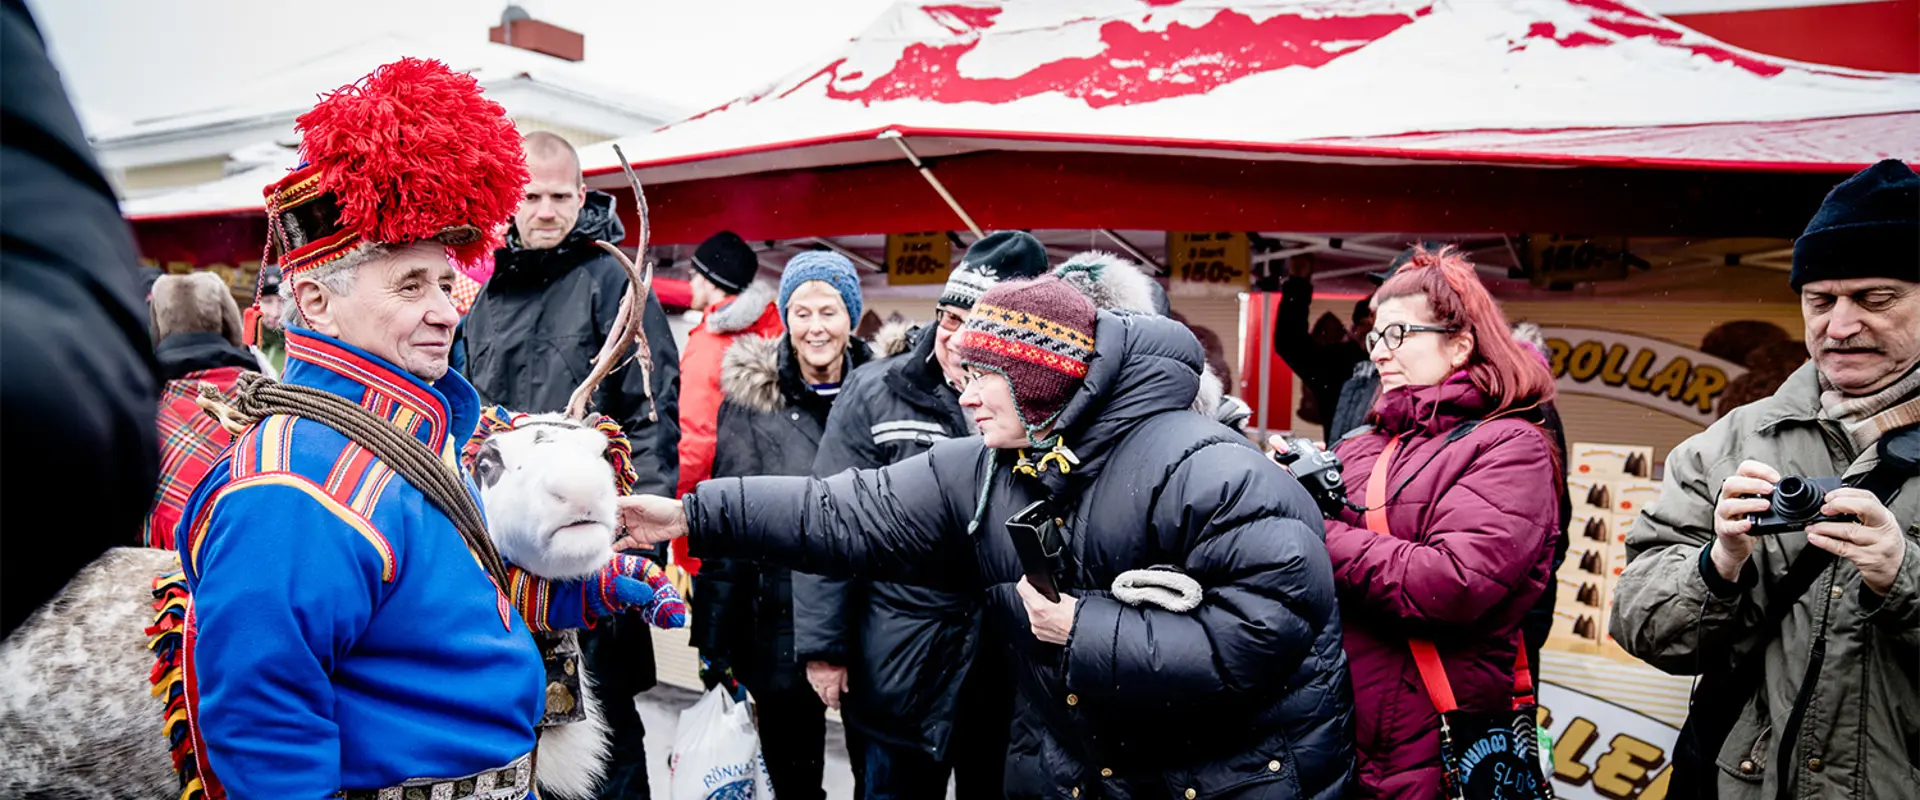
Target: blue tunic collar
{"x":440,"y":415}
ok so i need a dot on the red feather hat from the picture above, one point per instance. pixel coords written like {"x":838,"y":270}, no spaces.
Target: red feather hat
{"x":410,"y":152}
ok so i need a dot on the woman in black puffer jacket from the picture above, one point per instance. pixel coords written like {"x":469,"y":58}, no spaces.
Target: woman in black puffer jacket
{"x":1243,"y":694}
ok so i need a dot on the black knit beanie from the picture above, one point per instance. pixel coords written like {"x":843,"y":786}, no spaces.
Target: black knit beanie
{"x":725,"y":259}
{"x":1868,"y":227}
{"x":1005,"y":255}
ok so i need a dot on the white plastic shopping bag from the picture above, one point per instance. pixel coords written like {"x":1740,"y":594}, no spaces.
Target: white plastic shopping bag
{"x":716,"y":752}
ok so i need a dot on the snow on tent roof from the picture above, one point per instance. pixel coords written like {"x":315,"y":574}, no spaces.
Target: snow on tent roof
{"x":1531,"y":82}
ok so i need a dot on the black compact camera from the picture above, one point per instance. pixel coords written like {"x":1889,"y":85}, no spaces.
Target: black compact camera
{"x":1318,"y":470}
{"x":1796,"y":504}
{"x":1796,"y":500}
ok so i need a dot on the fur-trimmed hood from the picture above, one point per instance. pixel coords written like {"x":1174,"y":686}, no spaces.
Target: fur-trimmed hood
{"x":745,"y":310}
{"x":895,"y":338}
{"x":1111,"y":282}
{"x":760,"y":373}
{"x":750,"y":373}
{"x":1116,"y":284}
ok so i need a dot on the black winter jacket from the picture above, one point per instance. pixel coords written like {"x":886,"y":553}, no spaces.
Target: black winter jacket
{"x":78,"y":390}
{"x":1245,"y":696}
{"x":1355,"y":405}
{"x":1324,"y":369}
{"x":770,"y":424}
{"x":909,"y":647}
{"x":183,"y":354}
{"x":533,"y":331}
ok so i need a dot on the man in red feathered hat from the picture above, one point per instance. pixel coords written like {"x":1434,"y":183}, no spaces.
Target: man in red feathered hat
{"x":349,"y":637}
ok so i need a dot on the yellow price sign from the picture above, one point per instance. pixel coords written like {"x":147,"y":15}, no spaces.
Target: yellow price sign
{"x":918,"y":258}
{"x":1203,"y":261}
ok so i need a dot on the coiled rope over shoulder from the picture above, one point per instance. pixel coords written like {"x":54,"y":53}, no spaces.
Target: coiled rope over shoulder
{"x":256,"y":397}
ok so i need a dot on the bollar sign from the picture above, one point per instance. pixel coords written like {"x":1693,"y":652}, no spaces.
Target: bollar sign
{"x":1670,"y":378}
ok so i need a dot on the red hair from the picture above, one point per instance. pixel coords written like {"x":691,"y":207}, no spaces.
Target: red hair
{"x":1498,"y":366}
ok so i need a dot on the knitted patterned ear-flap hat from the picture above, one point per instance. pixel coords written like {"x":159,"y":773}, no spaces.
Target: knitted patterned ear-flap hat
{"x":1037,"y":333}
{"x":407,"y":153}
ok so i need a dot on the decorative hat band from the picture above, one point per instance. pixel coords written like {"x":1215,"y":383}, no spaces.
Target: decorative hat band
{"x":304,"y":230}
{"x":411,"y":152}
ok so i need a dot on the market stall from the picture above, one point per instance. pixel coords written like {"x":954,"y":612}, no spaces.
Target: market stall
{"x":1626,"y":182}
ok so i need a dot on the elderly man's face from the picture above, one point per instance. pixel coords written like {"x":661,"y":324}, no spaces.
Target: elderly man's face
{"x":1863,"y":333}
{"x":401,"y":309}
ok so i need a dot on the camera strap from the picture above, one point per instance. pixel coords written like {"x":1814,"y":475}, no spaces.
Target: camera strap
{"x":1386,"y":458}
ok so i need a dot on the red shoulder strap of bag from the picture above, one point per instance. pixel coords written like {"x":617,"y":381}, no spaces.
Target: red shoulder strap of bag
{"x":1425,"y":657}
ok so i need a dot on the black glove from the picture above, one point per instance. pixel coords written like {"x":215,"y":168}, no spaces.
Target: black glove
{"x":715,"y":671}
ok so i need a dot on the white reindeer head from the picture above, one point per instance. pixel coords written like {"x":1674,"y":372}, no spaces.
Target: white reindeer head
{"x":550,"y":495}
{"x":551,"y":481}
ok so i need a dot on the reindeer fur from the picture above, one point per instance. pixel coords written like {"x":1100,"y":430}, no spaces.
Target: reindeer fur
{"x":76,"y":717}
{"x":573,"y":757}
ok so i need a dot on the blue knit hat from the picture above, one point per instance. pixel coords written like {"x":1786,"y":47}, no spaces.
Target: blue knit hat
{"x":827,"y":266}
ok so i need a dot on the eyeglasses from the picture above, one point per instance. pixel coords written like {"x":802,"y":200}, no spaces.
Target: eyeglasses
{"x":948,"y":320}
{"x":1396,"y":334}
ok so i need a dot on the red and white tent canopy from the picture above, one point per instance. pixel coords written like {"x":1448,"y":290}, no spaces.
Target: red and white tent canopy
{"x":1505,"y":83}
{"x":1304,"y":115}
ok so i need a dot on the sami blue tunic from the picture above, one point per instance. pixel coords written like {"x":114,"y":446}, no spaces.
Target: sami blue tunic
{"x":345,"y":638}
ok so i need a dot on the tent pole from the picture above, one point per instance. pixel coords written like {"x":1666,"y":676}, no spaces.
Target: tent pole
{"x":1138,"y":254}
{"x":935,"y":182}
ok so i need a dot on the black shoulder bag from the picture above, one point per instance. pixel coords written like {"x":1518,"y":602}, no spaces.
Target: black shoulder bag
{"x":1719,"y":697}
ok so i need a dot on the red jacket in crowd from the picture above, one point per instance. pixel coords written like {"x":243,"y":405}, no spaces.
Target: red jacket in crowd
{"x":751,"y":312}
{"x":1470,"y":551}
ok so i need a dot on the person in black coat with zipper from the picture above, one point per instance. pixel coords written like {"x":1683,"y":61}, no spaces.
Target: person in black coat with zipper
{"x":776,"y":394}
{"x":1195,"y":647}
{"x":926,"y":696}
{"x":530,"y":338}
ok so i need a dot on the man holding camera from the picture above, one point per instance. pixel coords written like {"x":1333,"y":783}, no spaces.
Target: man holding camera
{"x":1807,"y":641}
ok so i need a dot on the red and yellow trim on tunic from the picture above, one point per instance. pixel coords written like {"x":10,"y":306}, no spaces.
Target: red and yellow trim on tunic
{"x":168,"y":644}
{"x":360,"y":524}
{"x":533,"y":599}
{"x":364,"y":372}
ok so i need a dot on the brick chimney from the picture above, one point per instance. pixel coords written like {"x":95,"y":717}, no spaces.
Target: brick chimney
{"x":516,"y":29}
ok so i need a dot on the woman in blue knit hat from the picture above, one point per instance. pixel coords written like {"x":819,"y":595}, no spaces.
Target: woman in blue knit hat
{"x":776,"y":395}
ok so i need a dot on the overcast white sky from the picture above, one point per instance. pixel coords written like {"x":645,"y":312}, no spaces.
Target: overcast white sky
{"x":125,"y":60}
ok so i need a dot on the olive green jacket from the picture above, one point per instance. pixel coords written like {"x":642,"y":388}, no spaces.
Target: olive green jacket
{"x":1861,"y":736}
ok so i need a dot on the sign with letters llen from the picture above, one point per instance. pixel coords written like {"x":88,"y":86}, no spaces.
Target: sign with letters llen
{"x":918,"y":258}
{"x":1208,"y":262}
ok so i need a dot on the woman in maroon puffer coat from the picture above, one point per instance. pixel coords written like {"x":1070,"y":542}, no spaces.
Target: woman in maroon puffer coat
{"x":1471,"y":520}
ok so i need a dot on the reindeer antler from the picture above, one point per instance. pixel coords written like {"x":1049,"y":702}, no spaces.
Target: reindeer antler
{"x":628,"y":328}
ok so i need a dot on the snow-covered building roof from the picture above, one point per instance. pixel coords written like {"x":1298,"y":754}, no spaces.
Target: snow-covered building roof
{"x":535,"y":89}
